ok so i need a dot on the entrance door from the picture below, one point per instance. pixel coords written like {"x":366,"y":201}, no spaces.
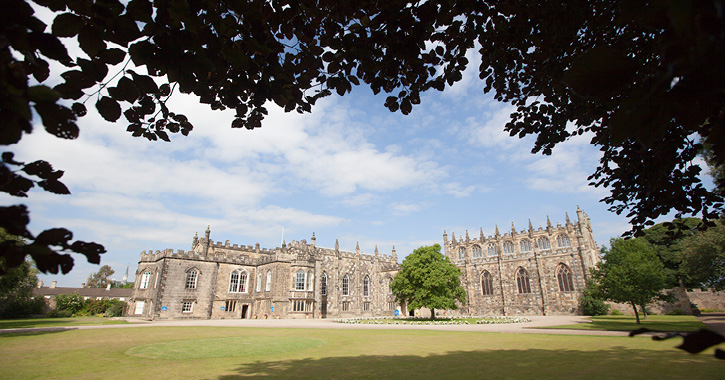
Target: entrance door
{"x":323,"y":309}
{"x":244,"y":311}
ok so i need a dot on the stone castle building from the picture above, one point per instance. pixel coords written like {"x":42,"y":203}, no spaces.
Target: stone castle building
{"x":540,"y":271}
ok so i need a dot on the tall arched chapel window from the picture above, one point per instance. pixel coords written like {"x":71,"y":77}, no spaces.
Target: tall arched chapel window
{"x":461,"y":253}
{"x":145,"y":277}
{"x":492,"y":250}
{"x":563,"y":275}
{"x":522,"y":281}
{"x":476,"y":251}
{"x":562,"y":241}
{"x":508,"y":248}
{"x":487,"y":283}
{"x":345,"y":285}
{"x":544,"y":243}
{"x":323,"y":284}
{"x":525,"y":245}
{"x":366,"y":286}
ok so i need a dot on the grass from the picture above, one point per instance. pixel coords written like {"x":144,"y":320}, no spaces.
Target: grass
{"x":629,"y":323}
{"x":227,"y":353}
{"x":57,"y":322}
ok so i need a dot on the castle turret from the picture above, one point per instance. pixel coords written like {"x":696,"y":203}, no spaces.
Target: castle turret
{"x":313,"y":239}
{"x":395,"y":255}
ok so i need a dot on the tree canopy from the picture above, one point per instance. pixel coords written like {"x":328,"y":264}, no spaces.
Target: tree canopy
{"x":101,"y":278}
{"x":644,"y":79}
{"x":428,"y":279}
{"x":704,"y":257}
{"x":630,"y":273}
{"x":16,"y":286}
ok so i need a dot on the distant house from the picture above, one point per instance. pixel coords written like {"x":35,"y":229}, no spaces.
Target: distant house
{"x":49,"y":293}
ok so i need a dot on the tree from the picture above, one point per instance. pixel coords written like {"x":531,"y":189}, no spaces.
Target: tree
{"x":590,"y":303}
{"x":642,"y":78}
{"x":428,"y":279}
{"x":630,"y":273}
{"x":704,"y":257}
{"x":16,"y":286}
{"x":101,"y":278}
{"x":668,"y":240}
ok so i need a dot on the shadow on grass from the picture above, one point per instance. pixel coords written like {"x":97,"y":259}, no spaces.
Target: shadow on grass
{"x":627,"y":323}
{"x":31,"y":332}
{"x":612,"y":363}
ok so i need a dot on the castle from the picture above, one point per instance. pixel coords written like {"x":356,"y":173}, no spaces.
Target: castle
{"x":540,"y":271}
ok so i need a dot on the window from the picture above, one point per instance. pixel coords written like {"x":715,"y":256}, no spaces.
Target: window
{"x":391,"y":305}
{"x":231,"y":305}
{"x":238,"y":281}
{"x":268,"y":283}
{"x":390,"y":285}
{"x":310,"y":282}
{"x":346,"y":306}
{"x":298,"y":305}
{"x":525,"y":245}
{"x":461,"y":253}
{"x":366,"y":286}
{"x":487,"y":283}
{"x":508,"y":248}
{"x":563,"y":274}
{"x":300,"y":280}
{"x":139,"y":307}
{"x":544,"y":243}
{"x":366,"y":306}
{"x":522,"y":281}
{"x":187,"y":307}
{"x":191,"y":277}
{"x":259,"y":282}
{"x":476,"y":251}
{"x":323,"y":285}
{"x":346,"y":285}
{"x":562,"y":241}
{"x":145,"y":277}
{"x":492,"y":250}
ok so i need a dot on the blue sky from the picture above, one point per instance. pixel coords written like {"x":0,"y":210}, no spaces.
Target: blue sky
{"x":350,"y":170}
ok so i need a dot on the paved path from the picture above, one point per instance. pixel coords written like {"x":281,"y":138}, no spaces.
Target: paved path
{"x":715,"y":321}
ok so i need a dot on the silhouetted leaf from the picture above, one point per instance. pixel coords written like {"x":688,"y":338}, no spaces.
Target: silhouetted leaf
{"x":67,"y":25}
{"x":90,"y":41}
{"x":54,"y":186}
{"x":108,"y":108}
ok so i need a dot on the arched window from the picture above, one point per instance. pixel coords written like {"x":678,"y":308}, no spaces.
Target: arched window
{"x":390,"y":285}
{"x":544,"y":243}
{"x":522,"y":281}
{"x":191,"y":277}
{"x":268,"y":283}
{"x":487,"y":283}
{"x":238,"y":281}
{"x":345,"y":285}
{"x":323,"y":285}
{"x":145,"y":277}
{"x":310,"y":282}
{"x":508,"y":248}
{"x":461,"y":253}
{"x":476,"y":251}
{"x":525,"y":245}
{"x":366,"y":286}
{"x":300,"y":280}
{"x":259,"y":282}
{"x":492,"y":250}
{"x":562,"y":241}
{"x":563,"y":274}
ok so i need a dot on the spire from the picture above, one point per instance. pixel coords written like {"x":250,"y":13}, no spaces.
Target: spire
{"x":207,"y":232}
{"x":195,"y":241}
{"x":467,"y":239}
{"x":337,"y":245}
{"x":313,"y":239}
{"x":376,"y":250}
{"x":453,"y":237}
{"x":568,"y":221}
{"x":531,"y":228}
{"x":513,"y":229}
{"x":445,"y":238}
{"x":125,"y":276}
{"x":395,"y":255}
{"x":497,"y":233}
{"x":357,"y":248}
{"x":482,"y":238}
{"x":393,"y":250}
{"x":548,"y":222}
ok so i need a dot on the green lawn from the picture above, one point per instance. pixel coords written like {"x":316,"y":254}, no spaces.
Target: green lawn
{"x":55,"y":322}
{"x":629,"y":323}
{"x":236,"y":353}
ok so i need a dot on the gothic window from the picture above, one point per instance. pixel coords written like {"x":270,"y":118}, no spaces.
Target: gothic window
{"x":563,"y":274}
{"x":259,"y":282}
{"x":492,"y":250}
{"x":476,"y":251}
{"x":300,"y":280}
{"x":323,"y":285}
{"x":145,"y":277}
{"x":522,"y":281}
{"x":525,"y":245}
{"x":191,"y":277}
{"x":461,"y":253}
{"x":487,"y":283}
{"x":310,"y":282}
{"x":390,"y":285}
{"x":543,"y":243}
{"x":366,"y":286}
{"x":562,"y":241}
{"x":345,"y":285}
{"x":238,"y":281}
{"x":268,"y":283}
{"x":508,"y":248}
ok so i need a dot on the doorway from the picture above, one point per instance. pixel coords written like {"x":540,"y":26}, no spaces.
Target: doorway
{"x":323,"y":309}
{"x":244,"y":311}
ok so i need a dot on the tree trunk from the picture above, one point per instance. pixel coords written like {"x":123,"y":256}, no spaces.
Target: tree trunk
{"x":635,"y":311}
{"x":644,"y":311}
{"x":432,"y":314}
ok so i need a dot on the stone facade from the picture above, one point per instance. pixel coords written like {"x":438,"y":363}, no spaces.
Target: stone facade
{"x":300,"y":280}
{"x":528,"y":272}
{"x":533,"y":272}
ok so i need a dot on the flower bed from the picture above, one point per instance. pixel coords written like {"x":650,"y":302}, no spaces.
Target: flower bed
{"x":483,"y":320}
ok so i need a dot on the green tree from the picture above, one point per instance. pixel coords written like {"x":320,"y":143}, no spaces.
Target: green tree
{"x":704,"y":257}
{"x":641,"y":77}
{"x":668,"y":240}
{"x":590,"y":303}
{"x":72,"y":302}
{"x":101,"y":278}
{"x":428,"y":279}
{"x":630,"y":273}
{"x":16,"y":286}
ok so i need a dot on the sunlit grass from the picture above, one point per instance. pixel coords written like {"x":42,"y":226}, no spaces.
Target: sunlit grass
{"x":235,"y":353}
{"x":629,"y":323}
{"x":55,"y":322}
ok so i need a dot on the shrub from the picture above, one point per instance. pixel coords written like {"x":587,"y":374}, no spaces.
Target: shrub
{"x":695,"y":311}
{"x":72,"y":302}
{"x":23,"y":308}
{"x":56,"y":313}
{"x":590,"y":305}
{"x":114,"y":309}
{"x":616,"y":312}
{"x":676,"y":312}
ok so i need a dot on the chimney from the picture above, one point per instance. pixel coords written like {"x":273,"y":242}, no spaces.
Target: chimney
{"x":108,"y":287}
{"x":53,"y":284}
